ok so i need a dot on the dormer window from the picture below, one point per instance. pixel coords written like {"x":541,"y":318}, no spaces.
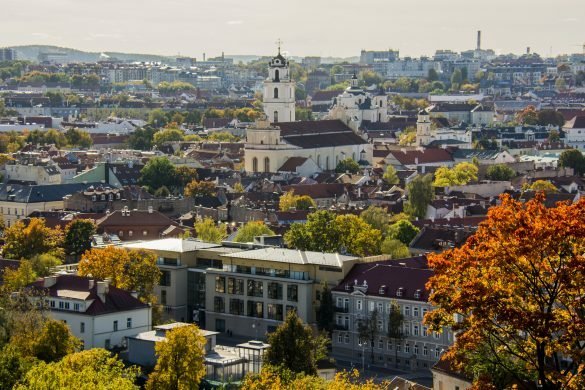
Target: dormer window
{"x":103,"y":197}
{"x":382,"y":290}
{"x":93,"y":198}
{"x":347,"y":287}
{"x":417,"y":294}
{"x":399,"y":292}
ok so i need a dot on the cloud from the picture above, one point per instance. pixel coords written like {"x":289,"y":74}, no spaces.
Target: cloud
{"x":234,"y":22}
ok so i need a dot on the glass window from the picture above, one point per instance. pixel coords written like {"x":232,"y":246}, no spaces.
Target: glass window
{"x":415,"y":330}
{"x":76,"y":306}
{"x":274,"y":312}
{"x":220,"y":284}
{"x":407,"y":310}
{"x":425,"y":351}
{"x":237,"y":307}
{"x":218,"y":305}
{"x":274,"y":290}
{"x":235,"y":286}
{"x":82,"y":327}
{"x":416,"y":349}
{"x":115,"y":326}
{"x":163,"y":297}
{"x":255,"y":309}
{"x":415,"y":311}
{"x":389,"y":345}
{"x":340,"y":338}
{"x":66,"y":305}
{"x":255,"y":288}
{"x":347,"y":338}
{"x":292,"y":293}
{"x":128,"y":322}
{"x":165,"y":278}
{"x":407,"y":348}
{"x":358,"y":305}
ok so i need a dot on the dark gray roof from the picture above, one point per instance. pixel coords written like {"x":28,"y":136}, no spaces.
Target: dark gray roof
{"x":39,"y":193}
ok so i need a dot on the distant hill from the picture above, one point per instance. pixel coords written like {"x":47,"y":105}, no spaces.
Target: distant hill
{"x":31,"y":53}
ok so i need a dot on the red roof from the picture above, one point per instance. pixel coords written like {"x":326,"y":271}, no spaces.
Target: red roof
{"x":116,"y":299}
{"x":427,"y":156}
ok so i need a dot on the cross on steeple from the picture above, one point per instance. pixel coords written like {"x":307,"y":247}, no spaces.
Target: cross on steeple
{"x":278,"y":42}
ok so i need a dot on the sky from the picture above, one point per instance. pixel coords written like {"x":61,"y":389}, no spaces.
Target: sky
{"x":339,"y":28}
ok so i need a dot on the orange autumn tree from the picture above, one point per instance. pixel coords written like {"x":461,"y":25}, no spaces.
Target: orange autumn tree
{"x":514,"y":293}
{"x":132,"y":270}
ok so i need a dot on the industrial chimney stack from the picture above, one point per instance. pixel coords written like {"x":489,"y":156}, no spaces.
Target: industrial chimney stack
{"x":478,"y":40}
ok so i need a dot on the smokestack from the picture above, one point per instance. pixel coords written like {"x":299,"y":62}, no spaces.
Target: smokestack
{"x":203,"y":56}
{"x":478,"y":40}
{"x":528,"y":50}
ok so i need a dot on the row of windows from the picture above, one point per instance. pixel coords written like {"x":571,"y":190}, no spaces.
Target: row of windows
{"x":110,"y":197}
{"x":64,"y":305}
{"x":379,"y":306}
{"x":114,"y":325}
{"x":255,"y":288}
{"x":8,"y":211}
{"x":274,"y":311}
{"x":131,"y":233}
{"x":344,"y":338}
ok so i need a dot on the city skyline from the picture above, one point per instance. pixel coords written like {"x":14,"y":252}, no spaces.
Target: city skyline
{"x":306,"y":29}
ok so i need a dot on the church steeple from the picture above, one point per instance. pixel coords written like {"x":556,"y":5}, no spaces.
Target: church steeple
{"x":279,"y":90}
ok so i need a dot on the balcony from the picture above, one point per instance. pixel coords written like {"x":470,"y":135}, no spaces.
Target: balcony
{"x":341,"y":309}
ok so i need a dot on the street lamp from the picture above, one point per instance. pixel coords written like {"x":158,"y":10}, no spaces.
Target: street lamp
{"x":362,"y":343}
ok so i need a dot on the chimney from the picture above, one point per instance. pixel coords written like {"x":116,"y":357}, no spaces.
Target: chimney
{"x":91,"y":283}
{"x":478,"y":41}
{"x":102,"y":289}
{"x":149,"y":209}
{"x":49,"y":281}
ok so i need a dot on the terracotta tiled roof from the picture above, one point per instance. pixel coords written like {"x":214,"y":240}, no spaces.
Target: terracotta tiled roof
{"x":318,"y":191}
{"x":292,"y":163}
{"x":428,"y":156}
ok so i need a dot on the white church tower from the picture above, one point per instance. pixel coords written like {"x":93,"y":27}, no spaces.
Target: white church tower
{"x":423,"y":128}
{"x":279,"y":91}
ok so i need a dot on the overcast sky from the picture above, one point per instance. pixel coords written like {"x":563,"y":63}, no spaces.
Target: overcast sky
{"x":307,"y":27}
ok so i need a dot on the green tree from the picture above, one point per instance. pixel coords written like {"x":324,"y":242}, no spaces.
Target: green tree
{"x":85,"y":370}
{"x":368,"y":331}
{"x":357,"y":237}
{"x":318,"y":233}
{"x":13,"y":366}
{"x":158,"y":118}
{"x":376,"y":217}
{"x":79,"y":138}
{"x":420,"y":194}
{"x":404,"y":231}
{"x":207,"y":230}
{"x":347,"y":165}
{"x":325,"y":311}
{"x":573,"y":158}
{"x":252,"y":229}
{"x":369,"y":77}
{"x":528,"y":116}
{"x":222,"y":136}
{"x":293,"y":346}
{"x":142,"y":138}
{"x":167,"y":135}
{"x":390,"y":176}
{"x":395,"y":325}
{"x":550,"y":117}
{"x":460,"y":174}
{"x":78,"y":236}
{"x":395,"y":248}
{"x":16,"y":279}
{"x":432,"y":75}
{"x":456,"y":79}
{"x":500,"y":172}
{"x":42,"y":264}
{"x":180,"y":360}
{"x":55,"y":341}
{"x":25,"y":241}
{"x":157,"y":172}
{"x":289,"y":200}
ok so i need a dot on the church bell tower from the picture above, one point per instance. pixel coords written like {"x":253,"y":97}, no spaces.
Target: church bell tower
{"x":279,"y":91}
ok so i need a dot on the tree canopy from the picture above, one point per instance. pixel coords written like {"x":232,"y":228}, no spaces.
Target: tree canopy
{"x":326,"y":232}
{"x":294,"y":347}
{"x":403,"y":230}
{"x":158,"y":172}
{"x":390,"y":176}
{"x":132,"y":270}
{"x":420,"y":193}
{"x":289,"y":200}
{"x":86,"y":370}
{"x":200,"y":188}
{"x":180,"y":360}
{"x":78,"y":236}
{"x":347,"y":165}
{"x":573,"y":158}
{"x":513,"y":293}
{"x":25,"y":241}
{"x":252,"y":229}
{"x":500,"y":172}
{"x":460,"y":174}
{"x":207,"y":230}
